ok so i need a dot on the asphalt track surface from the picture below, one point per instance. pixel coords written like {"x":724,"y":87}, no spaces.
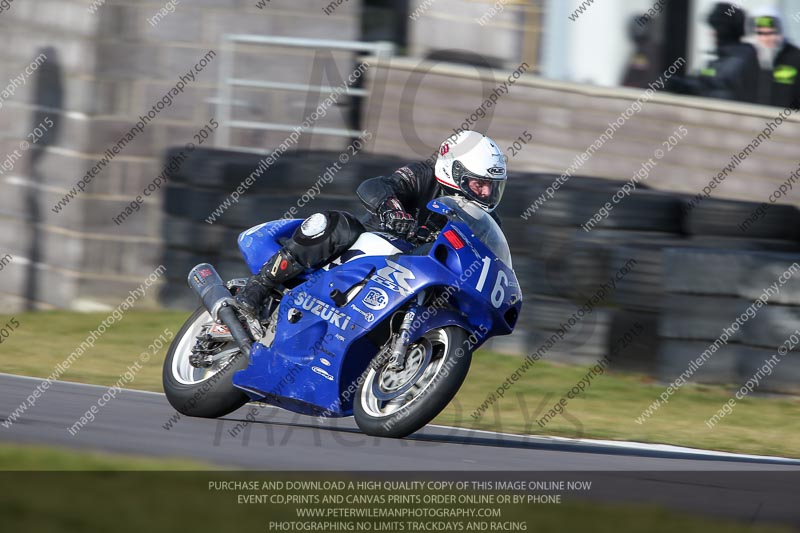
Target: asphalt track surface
{"x":134,"y":423}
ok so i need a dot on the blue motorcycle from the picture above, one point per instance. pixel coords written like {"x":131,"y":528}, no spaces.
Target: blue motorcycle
{"x":384,"y":333}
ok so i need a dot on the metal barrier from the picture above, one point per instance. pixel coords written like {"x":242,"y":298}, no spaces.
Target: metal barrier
{"x":227,"y":82}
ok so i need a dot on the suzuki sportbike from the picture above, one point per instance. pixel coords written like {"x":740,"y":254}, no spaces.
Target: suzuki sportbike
{"x":384,"y":333}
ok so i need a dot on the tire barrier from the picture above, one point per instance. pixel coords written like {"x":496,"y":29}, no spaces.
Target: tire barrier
{"x":633,"y":341}
{"x":694,"y":272}
{"x":206,"y":180}
{"x":709,"y":300}
{"x":729,"y":218}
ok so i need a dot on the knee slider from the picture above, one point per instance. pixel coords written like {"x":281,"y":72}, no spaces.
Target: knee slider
{"x":314,"y":228}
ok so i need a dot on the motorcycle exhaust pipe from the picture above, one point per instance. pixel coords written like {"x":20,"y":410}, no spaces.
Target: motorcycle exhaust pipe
{"x":206,"y":283}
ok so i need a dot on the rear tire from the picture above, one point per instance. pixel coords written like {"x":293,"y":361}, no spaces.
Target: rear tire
{"x":204,"y":393}
{"x":432,"y":387}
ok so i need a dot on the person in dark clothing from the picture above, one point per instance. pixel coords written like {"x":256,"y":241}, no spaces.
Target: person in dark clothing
{"x":643,"y":65}
{"x":469,"y":164}
{"x":733,"y":75}
{"x":780,"y":60}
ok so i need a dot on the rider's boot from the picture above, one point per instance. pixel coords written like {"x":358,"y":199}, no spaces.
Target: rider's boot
{"x":278,"y":269}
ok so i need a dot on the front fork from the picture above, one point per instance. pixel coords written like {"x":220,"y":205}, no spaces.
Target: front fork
{"x":398,"y":359}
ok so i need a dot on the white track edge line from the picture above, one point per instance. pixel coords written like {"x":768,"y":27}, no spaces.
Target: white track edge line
{"x":75,"y":383}
{"x":633,"y":445}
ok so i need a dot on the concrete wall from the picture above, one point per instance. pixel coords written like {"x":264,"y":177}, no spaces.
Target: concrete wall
{"x":112,"y":66}
{"x":508,"y":30}
{"x":564,"y":119}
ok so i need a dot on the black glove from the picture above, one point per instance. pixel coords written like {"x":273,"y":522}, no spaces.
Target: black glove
{"x":395,"y":218}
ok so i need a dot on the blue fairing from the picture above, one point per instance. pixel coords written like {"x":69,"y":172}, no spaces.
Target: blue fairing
{"x":314,"y":363}
{"x":261,"y":242}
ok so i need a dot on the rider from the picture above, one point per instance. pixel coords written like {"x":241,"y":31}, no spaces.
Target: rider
{"x":469,"y":164}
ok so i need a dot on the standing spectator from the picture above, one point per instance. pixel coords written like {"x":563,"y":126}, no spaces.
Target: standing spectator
{"x":780,"y":60}
{"x":733,"y":75}
{"x":643,"y":67}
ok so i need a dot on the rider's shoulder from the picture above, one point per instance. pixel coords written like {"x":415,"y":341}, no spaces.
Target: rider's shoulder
{"x":415,"y":171}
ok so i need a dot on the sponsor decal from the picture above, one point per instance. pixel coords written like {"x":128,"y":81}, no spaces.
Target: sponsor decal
{"x":339,"y":337}
{"x":324,"y":361}
{"x":376,"y":299}
{"x":322,"y":310}
{"x":322,"y":372}
{"x":200,"y":276}
{"x":394,"y":277}
{"x":369,"y":317}
{"x":445,"y":149}
{"x":219,"y":329}
{"x":496,"y":171}
{"x":468,"y":242}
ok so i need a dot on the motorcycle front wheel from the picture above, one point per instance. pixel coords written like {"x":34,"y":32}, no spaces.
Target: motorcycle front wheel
{"x":202,"y":392}
{"x":396,"y":403}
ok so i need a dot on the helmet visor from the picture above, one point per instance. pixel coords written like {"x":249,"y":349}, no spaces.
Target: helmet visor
{"x":487,"y":191}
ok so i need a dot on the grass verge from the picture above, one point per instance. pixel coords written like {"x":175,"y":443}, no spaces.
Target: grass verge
{"x":17,"y":457}
{"x":608,"y":409}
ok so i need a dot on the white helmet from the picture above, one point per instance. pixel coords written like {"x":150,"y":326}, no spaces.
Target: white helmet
{"x":470,"y":163}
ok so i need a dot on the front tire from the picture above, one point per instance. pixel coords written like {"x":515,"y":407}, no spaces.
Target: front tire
{"x":201,"y":392}
{"x":396,"y":404}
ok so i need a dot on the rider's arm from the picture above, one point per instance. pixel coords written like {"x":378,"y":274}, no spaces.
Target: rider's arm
{"x":403,"y":184}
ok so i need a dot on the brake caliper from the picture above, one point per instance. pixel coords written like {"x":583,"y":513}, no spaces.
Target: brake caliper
{"x":208,"y":344}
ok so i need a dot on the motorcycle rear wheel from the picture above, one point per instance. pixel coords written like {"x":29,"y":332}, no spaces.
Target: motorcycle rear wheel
{"x":396,"y":404}
{"x":201,"y":392}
